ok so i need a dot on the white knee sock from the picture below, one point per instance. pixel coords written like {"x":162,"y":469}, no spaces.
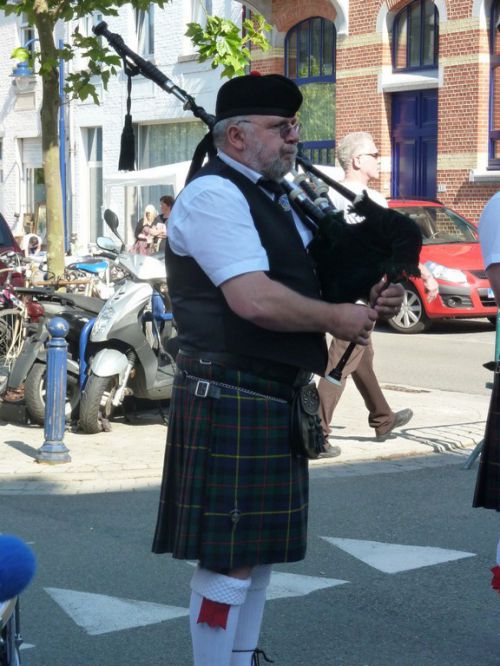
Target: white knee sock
{"x":250,"y":617}
{"x":213,"y":625}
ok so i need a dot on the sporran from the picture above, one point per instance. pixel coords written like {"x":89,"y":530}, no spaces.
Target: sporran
{"x":305,"y":425}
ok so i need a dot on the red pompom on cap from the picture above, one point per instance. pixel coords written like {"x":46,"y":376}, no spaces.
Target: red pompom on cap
{"x":254,"y":72}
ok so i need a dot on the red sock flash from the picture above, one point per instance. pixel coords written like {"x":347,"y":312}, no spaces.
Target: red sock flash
{"x":213,"y":613}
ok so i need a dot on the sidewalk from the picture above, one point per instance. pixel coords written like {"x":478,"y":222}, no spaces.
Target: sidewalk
{"x":130,"y":457}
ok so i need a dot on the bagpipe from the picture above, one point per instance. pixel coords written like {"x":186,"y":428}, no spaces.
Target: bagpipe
{"x":349,"y":258}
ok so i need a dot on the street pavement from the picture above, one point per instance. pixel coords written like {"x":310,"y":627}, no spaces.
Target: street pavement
{"x":130,"y":456}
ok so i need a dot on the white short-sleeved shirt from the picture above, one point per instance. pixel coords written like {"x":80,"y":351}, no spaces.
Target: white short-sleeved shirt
{"x":489,"y":231}
{"x":211,"y":222}
{"x":341,"y":203}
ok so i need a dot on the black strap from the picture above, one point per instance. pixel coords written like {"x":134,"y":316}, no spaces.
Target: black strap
{"x":205,"y":148}
{"x":277,"y":372}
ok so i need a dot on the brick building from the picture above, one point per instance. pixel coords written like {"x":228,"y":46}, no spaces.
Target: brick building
{"x":422,"y":77}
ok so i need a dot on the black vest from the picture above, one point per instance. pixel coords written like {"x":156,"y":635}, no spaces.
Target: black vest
{"x":204,"y":320}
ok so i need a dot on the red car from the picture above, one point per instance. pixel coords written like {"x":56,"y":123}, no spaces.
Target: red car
{"x":452,"y":253}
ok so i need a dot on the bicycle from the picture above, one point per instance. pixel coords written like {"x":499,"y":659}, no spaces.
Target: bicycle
{"x":14,"y":315}
{"x":10,"y":633}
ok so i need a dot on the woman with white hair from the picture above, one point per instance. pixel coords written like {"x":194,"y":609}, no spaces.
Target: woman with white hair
{"x":147,"y":230}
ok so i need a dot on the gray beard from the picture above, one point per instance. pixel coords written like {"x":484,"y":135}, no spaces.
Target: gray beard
{"x":276,"y":170}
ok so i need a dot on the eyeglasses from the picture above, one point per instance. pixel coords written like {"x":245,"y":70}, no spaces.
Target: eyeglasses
{"x":284,"y":129}
{"x":374,"y":155}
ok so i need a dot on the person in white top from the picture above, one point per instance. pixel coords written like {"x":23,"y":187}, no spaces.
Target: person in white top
{"x":486,"y":493}
{"x":359,"y":158}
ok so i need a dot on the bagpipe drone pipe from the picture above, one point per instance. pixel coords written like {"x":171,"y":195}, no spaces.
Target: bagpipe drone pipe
{"x":349,"y":258}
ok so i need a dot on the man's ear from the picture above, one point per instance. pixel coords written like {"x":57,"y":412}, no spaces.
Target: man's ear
{"x":355,"y":165}
{"x":236,"y":137}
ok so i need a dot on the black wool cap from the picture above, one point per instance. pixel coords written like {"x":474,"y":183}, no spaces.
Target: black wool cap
{"x":260,"y":95}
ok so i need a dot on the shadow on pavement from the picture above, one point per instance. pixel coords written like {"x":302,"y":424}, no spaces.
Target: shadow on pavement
{"x":26,"y":449}
{"x":439,"y":438}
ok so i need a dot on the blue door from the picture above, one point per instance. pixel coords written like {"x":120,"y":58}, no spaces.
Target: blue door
{"x":414,"y":144}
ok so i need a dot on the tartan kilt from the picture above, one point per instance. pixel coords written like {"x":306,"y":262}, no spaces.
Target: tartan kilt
{"x":232,"y":493}
{"x":487,"y":492}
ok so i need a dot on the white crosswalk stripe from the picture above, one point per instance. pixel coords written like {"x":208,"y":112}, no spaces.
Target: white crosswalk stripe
{"x":392,"y":558}
{"x":100,"y":614}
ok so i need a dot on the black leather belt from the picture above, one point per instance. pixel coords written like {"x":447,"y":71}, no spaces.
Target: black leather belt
{"x":277,"y":372}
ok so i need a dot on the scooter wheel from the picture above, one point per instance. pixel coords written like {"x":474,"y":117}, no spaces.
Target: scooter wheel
{"x":34,"y":394}
{"x":96,"y":406}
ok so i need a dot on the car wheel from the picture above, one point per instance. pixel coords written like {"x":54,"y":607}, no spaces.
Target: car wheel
{"x":412,"y":317}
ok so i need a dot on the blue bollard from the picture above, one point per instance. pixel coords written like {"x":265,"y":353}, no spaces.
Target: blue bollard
{"x":53,"y":450}
{"x":82,"y":350}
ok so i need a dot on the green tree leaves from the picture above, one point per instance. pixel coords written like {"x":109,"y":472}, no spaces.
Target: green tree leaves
{"x":221,"y":41}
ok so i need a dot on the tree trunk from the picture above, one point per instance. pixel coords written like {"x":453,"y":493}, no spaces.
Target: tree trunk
{"x":50,"y":147}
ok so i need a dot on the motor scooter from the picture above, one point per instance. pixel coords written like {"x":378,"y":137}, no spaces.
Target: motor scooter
{"x":132,"y":343}
{"x":30,"y":367}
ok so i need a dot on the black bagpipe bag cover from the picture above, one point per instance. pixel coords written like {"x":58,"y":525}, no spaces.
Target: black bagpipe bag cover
{"x":351,"y":258}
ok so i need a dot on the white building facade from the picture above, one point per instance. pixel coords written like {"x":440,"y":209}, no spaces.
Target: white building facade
{"x":165,"y":133}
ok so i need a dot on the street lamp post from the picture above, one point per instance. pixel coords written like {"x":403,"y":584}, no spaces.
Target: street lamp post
{"x":23,"y":78}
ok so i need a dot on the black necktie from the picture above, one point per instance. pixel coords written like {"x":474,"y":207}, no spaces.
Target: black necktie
{"x":272,"y":186}
{"x":279,"y":195}
{"x":278,"y":190}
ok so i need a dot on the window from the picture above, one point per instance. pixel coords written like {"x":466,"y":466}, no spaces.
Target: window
{"x":27,"y":33}
{"x":144,"y":26}
{"x":165,"y":143}
{"x":246,"y":13}
{"x":415,"y":37}
{"x":35,"y":190}
{"x":93,"y":149}
{"x":494,"y":124}
{"x":88,"y":22}
{"x":310,"y":62}
{"x":200,"y":9}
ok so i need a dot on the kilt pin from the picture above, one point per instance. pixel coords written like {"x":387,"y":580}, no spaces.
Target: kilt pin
{"x":232,"y":494}
{"x":487,"y":492}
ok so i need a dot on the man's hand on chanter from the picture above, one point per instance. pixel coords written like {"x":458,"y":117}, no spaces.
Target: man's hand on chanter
{"x":387,"y":300}
{"x":354,"y":322}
